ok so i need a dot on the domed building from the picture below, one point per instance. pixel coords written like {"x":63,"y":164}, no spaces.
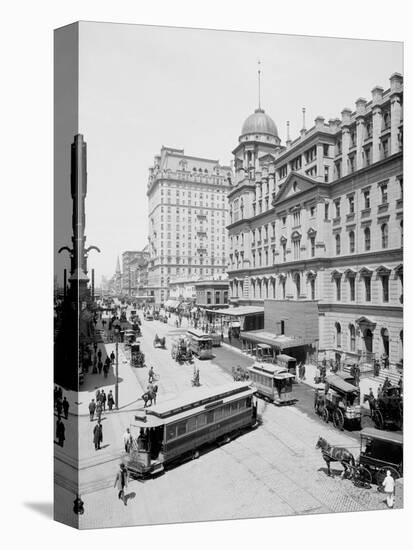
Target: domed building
{"x":258,"y":142}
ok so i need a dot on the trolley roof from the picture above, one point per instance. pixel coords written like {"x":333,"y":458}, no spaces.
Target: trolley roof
{"x":274,"y":371}
{"x":191,"y":402}
{"x":338,"y":383}
{"x":392,"y":437}
{"x":199,"y":334}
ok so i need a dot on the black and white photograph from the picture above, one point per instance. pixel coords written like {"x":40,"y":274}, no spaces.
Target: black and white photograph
{"x":228,"y":275}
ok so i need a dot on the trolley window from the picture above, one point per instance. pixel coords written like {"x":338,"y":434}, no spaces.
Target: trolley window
{"x":171,"y":432}
{"x":191,"y":424}
{"x":201,"y":420}
{"x":210,"y":417}
{"x":181,"y":428}
{"x":234,"y":407}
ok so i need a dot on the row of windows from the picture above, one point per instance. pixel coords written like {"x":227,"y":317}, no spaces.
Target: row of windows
{"x":195,"y":423}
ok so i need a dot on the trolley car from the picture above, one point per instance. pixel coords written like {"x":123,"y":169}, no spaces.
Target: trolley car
{"x":180,"y":350}
{"x":272,"y":382}
{"x":180,"y":428}
{"x":200,"y":344}
{"x":339,"y":401}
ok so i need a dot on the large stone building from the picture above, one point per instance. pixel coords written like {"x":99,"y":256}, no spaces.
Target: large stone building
{"x":187,"y":218}
{"x":321,"y":219}
{"x":134,"y":267}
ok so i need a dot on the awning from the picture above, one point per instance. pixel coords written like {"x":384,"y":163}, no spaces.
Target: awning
{"x":277,"y":341}
{"x":171,"y":303}
{"x":238,"y":311}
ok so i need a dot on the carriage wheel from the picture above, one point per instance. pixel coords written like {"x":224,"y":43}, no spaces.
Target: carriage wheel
{"x":338,"y":419}
{"x":326,"y":415}
{"x":362,"y":477}
{"x":381,"y":474}
{"x":378,"y":420}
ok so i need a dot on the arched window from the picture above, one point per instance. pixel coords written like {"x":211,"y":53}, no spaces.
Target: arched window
{"x":338,"y":244}
{"x":384,"y":235}
{"x":338,"y":335}
{"x":297,"y":285}
{"x":367,"y":242}
{"x":352,"y":332}
{"x":351,"y":240}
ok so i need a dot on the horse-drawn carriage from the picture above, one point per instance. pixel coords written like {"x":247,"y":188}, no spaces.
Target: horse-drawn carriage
{"x":137,"y":356}
{"x":380,"y":451}
{"x":159,"y":342}
{"x":181,"y":350}
{"x":239,"y":374}
{"x":338,"y":401}
{"x":387,"y":409}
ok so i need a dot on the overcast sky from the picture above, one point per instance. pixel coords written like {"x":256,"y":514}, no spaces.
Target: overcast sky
{"x":142,"y":87}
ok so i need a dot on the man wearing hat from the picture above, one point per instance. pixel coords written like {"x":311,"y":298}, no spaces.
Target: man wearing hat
{"x":121,"y":482}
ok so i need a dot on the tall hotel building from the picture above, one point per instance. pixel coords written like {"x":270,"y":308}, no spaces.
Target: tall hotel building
{"x":316,"y":228}
{"x":188,"y":214}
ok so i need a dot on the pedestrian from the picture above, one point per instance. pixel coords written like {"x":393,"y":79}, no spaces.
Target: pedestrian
{"x":111,"y":401}
{"x":386,"y":385}
{"x":112,"y":357}
{"x":92,"y":408}
{"x":389,"y":489}
{"x":229,"y":335}
{"x":59,"y":406}
{"x":99,"y":410}
{"x":303,"y":371}
{"x":59,"y":393}
{"x":151,"y":375}
{"x":105,"y":370}
{"x":222,"y":336}
{"x":95,"y":347}
{"x":97,"y":435}
{"x":121,"y":483}
{"x":127,"y":440}
{"x":100,"y":354}
{"x":372,"y":402}
{"x":65,"y":406}
{"x":100,"y":366}
{"x":97,"y":394}
{"x":103,"y":399}
{"x":60,"y":432}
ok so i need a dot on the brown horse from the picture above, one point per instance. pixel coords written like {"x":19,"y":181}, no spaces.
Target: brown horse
{"x":336,"y":454}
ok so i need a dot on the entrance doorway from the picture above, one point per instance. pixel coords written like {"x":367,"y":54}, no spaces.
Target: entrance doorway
{"x":368,"y":341}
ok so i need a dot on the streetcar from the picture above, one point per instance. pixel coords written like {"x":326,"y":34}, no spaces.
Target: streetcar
{"x":200,"y":344}
{"x":272,"y":382}
{"x":179,"y":428}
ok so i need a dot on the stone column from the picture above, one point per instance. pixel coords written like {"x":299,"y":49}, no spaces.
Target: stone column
{"x":360,"y":131}
{"x":396,"y":87}
{"x":345,"y":141}
{"x":377,"y":94}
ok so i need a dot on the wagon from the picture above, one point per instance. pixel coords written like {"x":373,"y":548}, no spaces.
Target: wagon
{"x":180,"y":350}
{"x":387,"y":409}
{"x":339,"y":401}
{"x":379,"y":451}
{"x":159,"y":342}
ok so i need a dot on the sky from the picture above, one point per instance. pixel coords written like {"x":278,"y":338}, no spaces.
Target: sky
{"x":141,"y":87}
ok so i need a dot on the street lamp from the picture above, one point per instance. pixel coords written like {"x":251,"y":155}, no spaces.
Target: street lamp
{"x":117,"y":331}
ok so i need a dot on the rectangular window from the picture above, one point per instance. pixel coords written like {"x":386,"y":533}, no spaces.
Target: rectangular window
{"x":366,"y":195}
{"x":338,"y":289}
{"x":171,"y":432}
{"x":383,"y":190}
{"x":337,"y":207}
{"x":326,"y":212}
{"x":326,"y":149}
{"x":351,"y":204}
{"x":326,"y":174}
{"x":367,"y":287}
{"x":352,"y":284}
{"x":312,"y":246}
{"x":385,"y":287}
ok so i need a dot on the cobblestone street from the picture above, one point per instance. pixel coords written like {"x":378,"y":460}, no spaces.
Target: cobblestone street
{"x":273,"y":470}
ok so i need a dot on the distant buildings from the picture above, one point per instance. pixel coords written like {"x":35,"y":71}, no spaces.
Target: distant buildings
{"x":187,"y":219}
{"x":320,"y":219}
{"x":132,"y":280}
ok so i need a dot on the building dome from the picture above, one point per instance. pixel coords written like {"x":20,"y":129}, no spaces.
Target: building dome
{"x":259,"y":123}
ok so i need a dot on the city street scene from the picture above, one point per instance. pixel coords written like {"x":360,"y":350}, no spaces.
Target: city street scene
{"x":228,"y":301}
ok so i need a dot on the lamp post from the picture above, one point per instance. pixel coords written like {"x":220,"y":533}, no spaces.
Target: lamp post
{"x":117,"y":329}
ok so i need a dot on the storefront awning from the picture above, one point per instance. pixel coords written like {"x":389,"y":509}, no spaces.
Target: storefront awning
{"x":238,"y":311}
{"x":279,"y":341}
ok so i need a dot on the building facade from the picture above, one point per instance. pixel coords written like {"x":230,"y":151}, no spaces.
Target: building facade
{"x":212,"y":294}
{"x":321,"y":219}
{"x":188,"y":212}
{"x":134,"y":266}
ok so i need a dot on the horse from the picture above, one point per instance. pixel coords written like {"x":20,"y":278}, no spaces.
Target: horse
{"x":336,"y":454}
{"x":150,"y":396}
